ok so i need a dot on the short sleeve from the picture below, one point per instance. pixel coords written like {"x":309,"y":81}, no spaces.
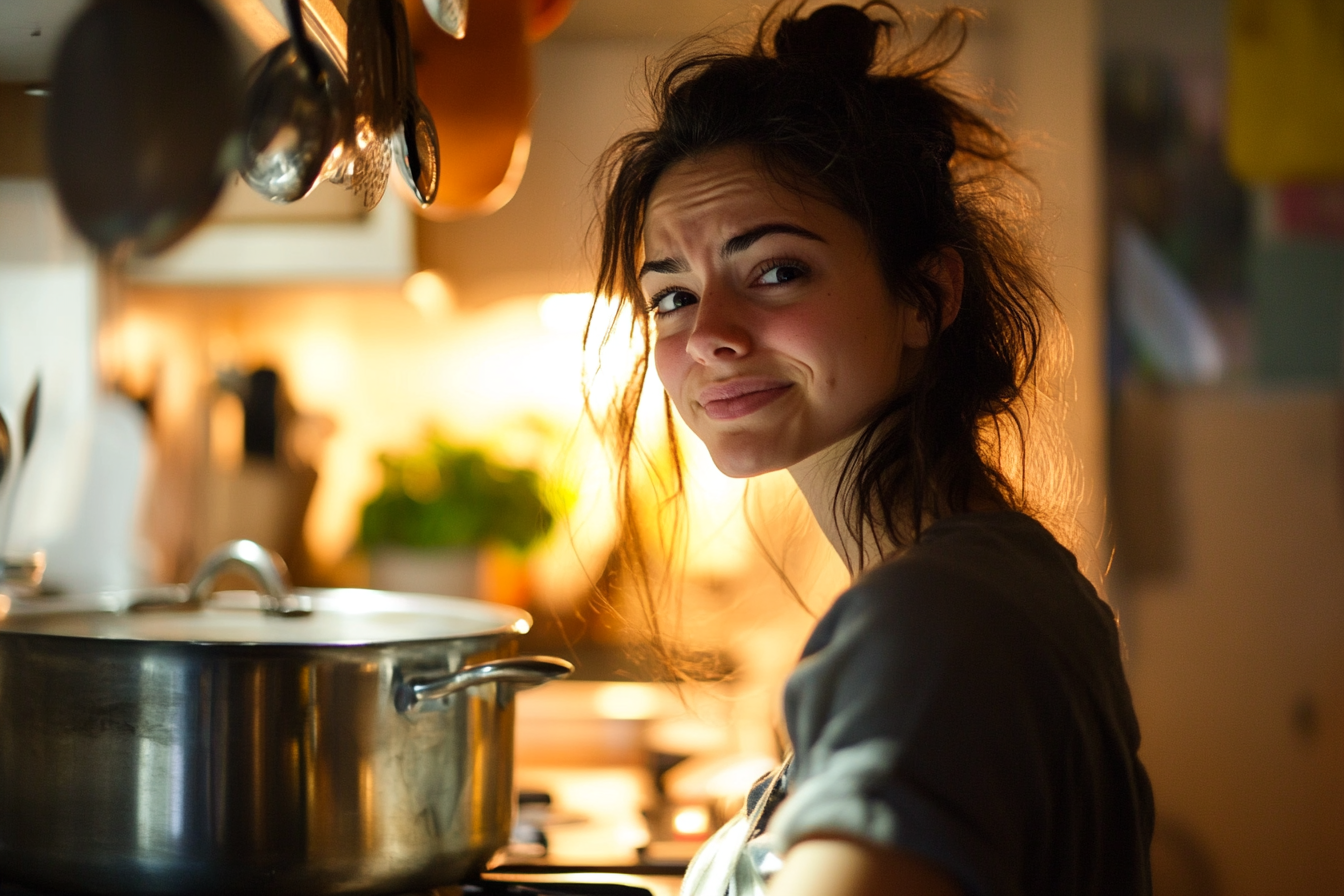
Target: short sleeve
{"x":917,"y":722}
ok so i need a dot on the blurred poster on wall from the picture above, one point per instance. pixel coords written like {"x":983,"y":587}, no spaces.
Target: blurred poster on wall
{"x":1285,"y":90}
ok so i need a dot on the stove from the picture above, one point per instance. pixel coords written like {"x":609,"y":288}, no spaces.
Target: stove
{"x":520,"y":881}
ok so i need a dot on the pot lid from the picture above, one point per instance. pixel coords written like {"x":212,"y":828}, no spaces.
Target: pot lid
{"x":275,"y":614}
{"x":339,"y":617}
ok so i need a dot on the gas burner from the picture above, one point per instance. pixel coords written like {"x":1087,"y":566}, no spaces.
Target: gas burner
{"x":515,"y":883}
{"x":551,"y":888}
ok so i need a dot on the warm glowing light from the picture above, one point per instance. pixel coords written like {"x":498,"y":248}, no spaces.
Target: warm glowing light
{"x":701,"y":779}
{"x":566,"y":312}
{"x":626,"y":700}
{"x":131,"y":351}
{"x":631,"y":834}
{"x":320,"y":369}
{"x":736,"y":778}
{"x":606,"y":794}
{"x":4,"y":605}
{"x":430,"y":293}
{"x":226,"y":432}
{"x":691,"y":821}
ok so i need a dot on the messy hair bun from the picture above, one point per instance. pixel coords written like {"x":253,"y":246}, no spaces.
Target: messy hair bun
{"x":838,"y":39}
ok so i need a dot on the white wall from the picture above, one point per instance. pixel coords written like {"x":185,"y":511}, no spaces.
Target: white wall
{"x":47,"y":309}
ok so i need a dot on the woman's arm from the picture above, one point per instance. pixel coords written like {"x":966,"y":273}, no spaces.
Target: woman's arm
{"x":838,"y":866}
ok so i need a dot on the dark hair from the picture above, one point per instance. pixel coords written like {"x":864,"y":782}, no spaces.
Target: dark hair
{"x":833,"y":105}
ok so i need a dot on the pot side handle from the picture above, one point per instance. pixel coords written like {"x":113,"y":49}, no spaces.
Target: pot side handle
{"x":521,"y":672}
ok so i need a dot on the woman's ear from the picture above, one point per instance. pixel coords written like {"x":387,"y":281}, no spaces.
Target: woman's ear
{"x":948,"y":271}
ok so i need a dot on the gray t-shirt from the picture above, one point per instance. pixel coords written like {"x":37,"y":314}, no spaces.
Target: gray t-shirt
{"x":966,"y":702}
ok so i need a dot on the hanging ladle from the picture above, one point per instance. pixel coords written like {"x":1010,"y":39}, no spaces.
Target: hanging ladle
{"x":416,"y":140}
{"x":298,"y":110}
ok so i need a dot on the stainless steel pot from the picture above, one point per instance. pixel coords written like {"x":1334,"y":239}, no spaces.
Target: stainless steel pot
{"x":339,"y":741}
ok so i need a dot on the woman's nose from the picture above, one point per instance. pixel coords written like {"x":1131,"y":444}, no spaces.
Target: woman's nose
{"x":720,"y":332}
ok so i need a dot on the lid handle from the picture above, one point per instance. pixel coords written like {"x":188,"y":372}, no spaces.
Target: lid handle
{"x":251,"y":559}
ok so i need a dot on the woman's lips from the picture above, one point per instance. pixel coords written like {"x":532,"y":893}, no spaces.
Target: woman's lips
{"x":740,"y":397}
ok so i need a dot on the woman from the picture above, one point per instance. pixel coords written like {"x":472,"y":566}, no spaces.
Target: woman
{"x":825,"y":255}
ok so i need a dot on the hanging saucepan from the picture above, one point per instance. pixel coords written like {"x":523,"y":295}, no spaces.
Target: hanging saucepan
{"x":140,"y":130}
{"x":325,"y":741}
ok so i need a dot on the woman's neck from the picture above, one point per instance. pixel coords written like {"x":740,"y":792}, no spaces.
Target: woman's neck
{"x":818,"y":478}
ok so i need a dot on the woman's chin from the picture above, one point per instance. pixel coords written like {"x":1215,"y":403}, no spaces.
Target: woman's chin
{"x":741,"y":462}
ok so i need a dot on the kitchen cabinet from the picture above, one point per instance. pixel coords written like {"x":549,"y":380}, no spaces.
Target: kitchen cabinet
{"x":1232,"y":602}
{"x":279,"y":244}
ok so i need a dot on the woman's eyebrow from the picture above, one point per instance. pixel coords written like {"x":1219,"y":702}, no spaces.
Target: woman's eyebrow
{"x":663,"y":266}
{"x":739,"y":243}
{"x":743,"y":241}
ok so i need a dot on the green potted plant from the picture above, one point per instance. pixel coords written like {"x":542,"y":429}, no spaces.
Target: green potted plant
{"x":439,"y":506}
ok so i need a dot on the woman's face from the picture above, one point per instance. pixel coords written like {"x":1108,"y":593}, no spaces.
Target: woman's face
{"x":776,"y":334}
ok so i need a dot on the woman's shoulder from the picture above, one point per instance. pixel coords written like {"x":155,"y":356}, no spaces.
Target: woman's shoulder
{"x":988,"y":619}
{"x":993,"y":574}
{"x":966,"y":701}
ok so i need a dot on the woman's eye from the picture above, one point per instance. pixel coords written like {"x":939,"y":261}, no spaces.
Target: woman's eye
{"x":781,"y":272}
{"x":670,"y":300}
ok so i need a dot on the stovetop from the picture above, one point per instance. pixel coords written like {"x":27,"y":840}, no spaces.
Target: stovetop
{"x":518,"y":882}
{"x":552,"y":883}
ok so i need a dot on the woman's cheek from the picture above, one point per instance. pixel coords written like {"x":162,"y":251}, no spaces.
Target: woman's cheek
{"x":800,"y":332}
{"x":672,"y":364}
